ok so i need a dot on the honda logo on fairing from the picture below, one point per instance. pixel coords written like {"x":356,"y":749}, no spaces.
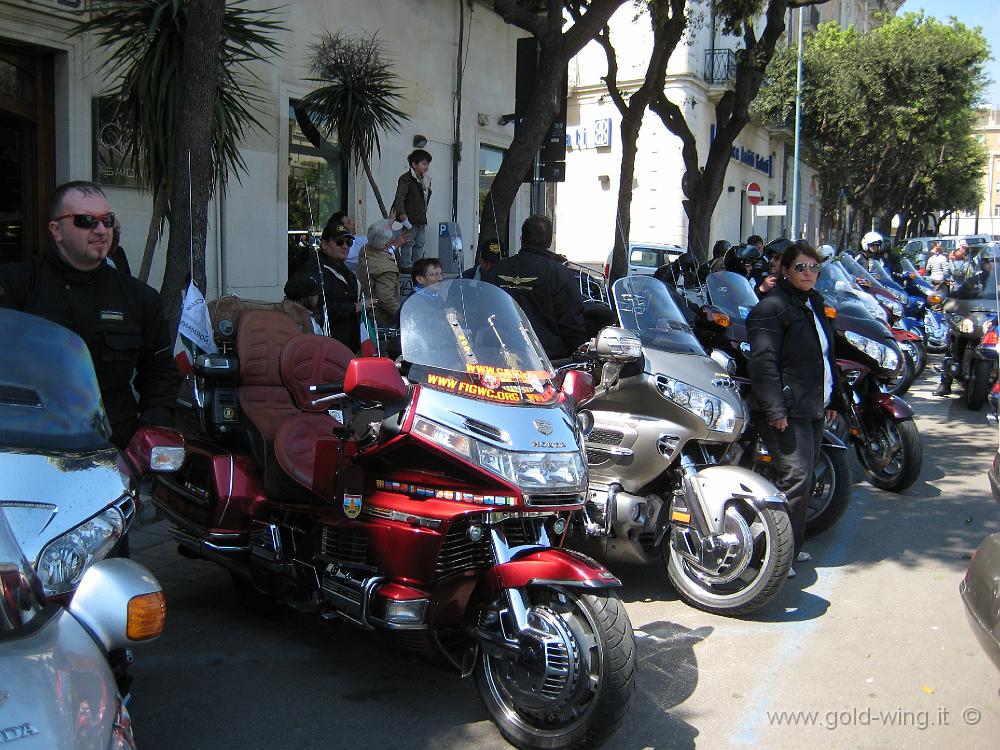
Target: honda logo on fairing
{"x":543,"y":426}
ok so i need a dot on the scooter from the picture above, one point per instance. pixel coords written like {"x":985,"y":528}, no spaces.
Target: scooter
{"x":661,"y":426}
{"x":733,"y":296}
{"x":431,"y":510}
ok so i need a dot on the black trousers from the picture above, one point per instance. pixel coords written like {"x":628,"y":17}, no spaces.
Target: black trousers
{"x":794,"y":454}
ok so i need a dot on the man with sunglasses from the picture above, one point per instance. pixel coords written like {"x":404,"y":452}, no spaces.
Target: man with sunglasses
{"x":119,"y":317}
{"x":341,"y":301}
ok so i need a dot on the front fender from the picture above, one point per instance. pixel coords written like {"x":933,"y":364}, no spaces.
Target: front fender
{"x":894,"y":406}
{"x":553,"y":566}
{"x":720,"y":484}
{"x":830,"y":440}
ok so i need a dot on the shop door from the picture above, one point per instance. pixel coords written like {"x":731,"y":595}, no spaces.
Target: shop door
{"x":26,"y":152}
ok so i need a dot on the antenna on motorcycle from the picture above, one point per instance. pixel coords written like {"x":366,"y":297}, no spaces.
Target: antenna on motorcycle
{"x":319,"y":262}
{"x":371,"y":286}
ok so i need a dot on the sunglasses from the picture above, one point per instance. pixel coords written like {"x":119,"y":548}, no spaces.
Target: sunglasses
{"x":344,"y":241}
{"x":801,"y":267}
{"x":89,"y":221}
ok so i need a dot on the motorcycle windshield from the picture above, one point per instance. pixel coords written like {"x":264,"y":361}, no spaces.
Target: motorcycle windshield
{"x":981,"y":285}
{"x":470,"y":338}
{"x":731,"y":293}
{"x":646,"y":308}
{"x":49,"y":399}
{"x":858,"y":270}
{"x":20,"y":591}
{"x":878,"y":271}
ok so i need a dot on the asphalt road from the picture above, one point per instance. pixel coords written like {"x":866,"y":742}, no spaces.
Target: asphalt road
{"x":867,"y":648}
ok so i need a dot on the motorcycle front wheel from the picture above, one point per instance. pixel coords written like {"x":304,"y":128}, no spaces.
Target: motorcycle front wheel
{"x":831,"y":490}
{"x":767,"y":540}
{"x":979,"y":384}
{"x":893,"y":459}
{"x":577,"y":693}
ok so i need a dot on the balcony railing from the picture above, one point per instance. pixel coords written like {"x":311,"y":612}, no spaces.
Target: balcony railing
{"x":720,"y":65}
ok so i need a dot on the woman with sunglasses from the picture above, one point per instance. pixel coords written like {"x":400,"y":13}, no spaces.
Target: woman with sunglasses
{"x":793,"y":374}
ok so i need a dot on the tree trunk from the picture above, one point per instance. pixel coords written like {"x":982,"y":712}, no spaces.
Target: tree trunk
{"x":155,"y":230}
{"x":556,"y":46}
{"x":371,"y":181}
{"x":194,"y":176}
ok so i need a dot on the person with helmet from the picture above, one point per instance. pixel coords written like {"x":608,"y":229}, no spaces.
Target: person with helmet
{"x":741,"y":259}
{"x":827,"y":252}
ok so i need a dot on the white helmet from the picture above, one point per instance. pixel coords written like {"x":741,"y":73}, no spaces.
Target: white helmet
{"x":872,"y":238}
{"x":826,"y":252}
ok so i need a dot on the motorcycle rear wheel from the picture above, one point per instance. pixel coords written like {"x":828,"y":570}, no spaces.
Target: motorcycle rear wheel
{"x":770,"y":561}
{"x":601,"y":633}
{"x":895,"y":464}
{"x":831,"y":491}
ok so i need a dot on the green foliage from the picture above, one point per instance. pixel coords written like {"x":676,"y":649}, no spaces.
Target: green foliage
{"x":144,"y":40}
{"x":359,"y":97}
{"x":889,"y":113}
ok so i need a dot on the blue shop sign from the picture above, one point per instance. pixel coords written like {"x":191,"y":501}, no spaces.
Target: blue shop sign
{"x":750,"y":158}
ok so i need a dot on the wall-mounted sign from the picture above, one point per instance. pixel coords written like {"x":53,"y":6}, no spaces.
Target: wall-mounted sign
{"x":112,"y":165}
{"x":581,"y":136}
{"x":752,"y":159}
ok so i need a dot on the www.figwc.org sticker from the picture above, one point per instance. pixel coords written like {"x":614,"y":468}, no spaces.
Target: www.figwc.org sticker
{"x":352,"y":506}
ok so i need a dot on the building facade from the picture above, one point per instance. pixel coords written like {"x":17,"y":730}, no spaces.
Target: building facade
{"x":53,"y":128}
{"x":698,"y":74}
{"x":986,"y":218}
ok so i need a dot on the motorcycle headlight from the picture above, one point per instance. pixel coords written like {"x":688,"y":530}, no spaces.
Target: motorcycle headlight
{"x":714,"y":412}
{"x":968,"y":325}
{"x":565,"y":471}
{"x":886,"y":357}
{"x":66,"y":558}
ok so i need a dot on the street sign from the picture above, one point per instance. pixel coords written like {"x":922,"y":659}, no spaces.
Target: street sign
{"x":779,"y":210}
{"x":753,"y":193}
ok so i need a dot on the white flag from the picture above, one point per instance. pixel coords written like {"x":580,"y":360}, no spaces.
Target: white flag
{"x":196,"y":325}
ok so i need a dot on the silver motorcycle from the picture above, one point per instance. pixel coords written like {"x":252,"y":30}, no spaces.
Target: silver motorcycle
{"x":663,"y":421}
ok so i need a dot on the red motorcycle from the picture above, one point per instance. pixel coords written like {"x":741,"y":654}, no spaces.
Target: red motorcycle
{"x":433,"y":510}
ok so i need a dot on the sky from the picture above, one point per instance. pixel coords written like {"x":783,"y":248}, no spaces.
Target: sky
{"x":984,"y":13}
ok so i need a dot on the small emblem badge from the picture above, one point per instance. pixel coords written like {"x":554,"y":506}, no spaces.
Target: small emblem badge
{"x":543,"y":426}
{"x":352,"y":506}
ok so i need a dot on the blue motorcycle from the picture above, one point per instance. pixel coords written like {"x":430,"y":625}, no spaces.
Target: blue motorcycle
{"x":926,"y":300}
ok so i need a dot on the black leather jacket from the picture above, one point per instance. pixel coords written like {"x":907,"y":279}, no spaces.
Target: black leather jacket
{"x":786,"y":359}
{"x":549,"y":295}
{"x":341,"y":287}
{"x":121,"y":321}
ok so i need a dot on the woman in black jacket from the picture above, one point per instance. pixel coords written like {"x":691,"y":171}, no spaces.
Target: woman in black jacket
{"x":793,"y":374}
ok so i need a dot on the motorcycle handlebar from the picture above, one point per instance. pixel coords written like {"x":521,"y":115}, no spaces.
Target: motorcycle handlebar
{"x":326,"y":388}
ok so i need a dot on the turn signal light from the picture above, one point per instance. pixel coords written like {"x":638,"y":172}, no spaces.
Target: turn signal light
{"x":830,"y":312}
{"x":146,"y":616}
{"x":935,"y":299}
{"x":680,"y":517}
{"x":719,"y":318}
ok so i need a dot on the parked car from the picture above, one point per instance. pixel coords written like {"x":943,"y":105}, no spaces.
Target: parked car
{"x":981,"y":595}
{"x":646,"y":257}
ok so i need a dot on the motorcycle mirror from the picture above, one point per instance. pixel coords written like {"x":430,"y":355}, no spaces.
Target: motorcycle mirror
{"x":578,"y":385}
{"x":374,"y":379}
{"x":618,"y":345}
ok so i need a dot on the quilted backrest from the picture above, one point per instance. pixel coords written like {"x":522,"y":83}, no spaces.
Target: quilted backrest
{"x":227,"y":313}
{"x":263,"y":397}
{"x":308,"y":360}
{"x":304,"y":444}
{"x":262,"y":335}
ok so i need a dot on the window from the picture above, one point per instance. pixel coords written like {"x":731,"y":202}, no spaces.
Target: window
{"x":317,"y":179}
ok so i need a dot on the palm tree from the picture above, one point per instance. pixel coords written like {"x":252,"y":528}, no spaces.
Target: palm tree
{"x":359,"y":97}
{"x":145,"y":40}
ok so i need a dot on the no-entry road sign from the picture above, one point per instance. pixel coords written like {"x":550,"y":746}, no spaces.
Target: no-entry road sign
{"x":753,"y":193}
